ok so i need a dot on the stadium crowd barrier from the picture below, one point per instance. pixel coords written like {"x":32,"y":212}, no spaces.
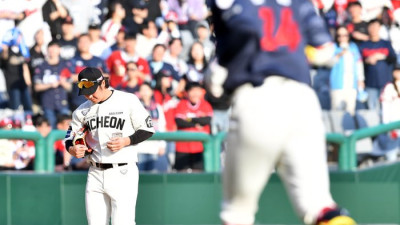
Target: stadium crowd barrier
{"x":44,"y":159}
{"x":347,"y":143}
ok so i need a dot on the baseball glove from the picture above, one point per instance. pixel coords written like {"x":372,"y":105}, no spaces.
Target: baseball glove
{"x":79,"y":139}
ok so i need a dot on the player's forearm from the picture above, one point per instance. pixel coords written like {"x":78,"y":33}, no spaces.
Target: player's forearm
{"x":139,"y":136}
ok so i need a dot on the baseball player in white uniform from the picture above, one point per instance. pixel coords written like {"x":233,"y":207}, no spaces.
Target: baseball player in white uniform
{"x":276,"y":120}
{"x":113,"y":121}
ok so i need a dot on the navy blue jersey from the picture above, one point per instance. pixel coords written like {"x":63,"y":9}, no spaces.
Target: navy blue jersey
{"x":379,"y":74}
{"x":68,"y":48}
{"x":53,"y":98}
{"x":256,"y":41}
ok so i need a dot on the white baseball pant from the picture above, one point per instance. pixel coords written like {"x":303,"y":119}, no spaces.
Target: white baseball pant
{"x":112,"y":192}
{"x":276,"y":125}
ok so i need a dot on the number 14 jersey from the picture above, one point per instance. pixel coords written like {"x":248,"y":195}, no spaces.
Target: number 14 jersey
{"x":256,"y":39}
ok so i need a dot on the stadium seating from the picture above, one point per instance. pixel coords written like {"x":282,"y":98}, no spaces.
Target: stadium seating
{"x":369,"y":149}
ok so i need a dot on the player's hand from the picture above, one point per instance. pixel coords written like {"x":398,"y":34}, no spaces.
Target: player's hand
{"x":78,"y":150}
{"x":115,"y":144}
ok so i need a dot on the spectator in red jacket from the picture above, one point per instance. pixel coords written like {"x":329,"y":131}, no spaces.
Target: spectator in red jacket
{"x":116,"y":63}
{"x":192,"y":115}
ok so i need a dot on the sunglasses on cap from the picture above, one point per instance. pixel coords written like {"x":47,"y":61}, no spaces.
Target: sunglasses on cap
{"x":87,"y":83}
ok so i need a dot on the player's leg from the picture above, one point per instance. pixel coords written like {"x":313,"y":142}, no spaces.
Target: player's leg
{"x":303,"y":165}
{"x":121,"y":184}
{"x":254,"y":141}
{"x":97,"y":202}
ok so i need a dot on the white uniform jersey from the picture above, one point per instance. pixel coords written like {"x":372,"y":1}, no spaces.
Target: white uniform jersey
{"x":121,"y":115}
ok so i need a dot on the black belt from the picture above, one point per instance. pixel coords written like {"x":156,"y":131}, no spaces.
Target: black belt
{"x":105,"y":166}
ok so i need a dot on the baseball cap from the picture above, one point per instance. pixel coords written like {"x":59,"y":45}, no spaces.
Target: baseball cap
{"x":164,"y":73}
{"x":171,"y":16}
{"x":88,"y":80}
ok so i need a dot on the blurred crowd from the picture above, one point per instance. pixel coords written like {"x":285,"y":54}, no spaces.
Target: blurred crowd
{"x":367,"y":43}
{"x":156,"y":49}
{"x":160,"y":50}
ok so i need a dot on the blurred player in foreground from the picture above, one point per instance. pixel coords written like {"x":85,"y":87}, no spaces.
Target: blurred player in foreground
{"x":276,"y":119}
{"x":114,"y":121}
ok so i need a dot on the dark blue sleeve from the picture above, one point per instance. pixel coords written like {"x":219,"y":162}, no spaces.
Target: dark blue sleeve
{"x":68,"y":139}
{"x":314,"y":28}
{"x":232,"y":27}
